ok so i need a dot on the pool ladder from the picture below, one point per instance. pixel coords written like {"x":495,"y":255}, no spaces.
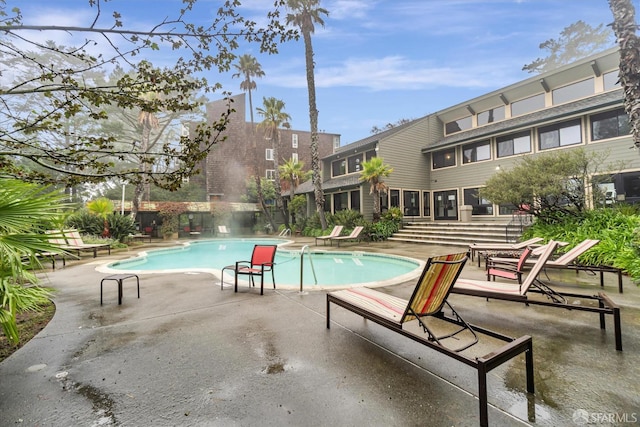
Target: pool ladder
{"x":308,"y":249}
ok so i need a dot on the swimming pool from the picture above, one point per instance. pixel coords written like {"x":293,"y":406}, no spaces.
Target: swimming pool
{"x":333,"y":269}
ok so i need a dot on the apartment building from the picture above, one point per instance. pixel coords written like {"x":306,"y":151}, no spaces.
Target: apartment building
{"x":231,"y":162}
{"x":441,"y":160}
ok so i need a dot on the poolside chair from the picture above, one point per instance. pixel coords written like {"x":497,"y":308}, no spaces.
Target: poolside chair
{"x":512,"y":271}
{"x":261,"y":263}
{"x":569,"y":261}
{"x":427,"y":303}
{"x":519,"y":292}
{"x":353,"y":237}
{"x":70,"y":241}
{"x":334,"y":233}
{"x":223,"y":231}
{"x":476,"y":248}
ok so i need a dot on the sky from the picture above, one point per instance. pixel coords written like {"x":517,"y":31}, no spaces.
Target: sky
{"x":377,"y":61}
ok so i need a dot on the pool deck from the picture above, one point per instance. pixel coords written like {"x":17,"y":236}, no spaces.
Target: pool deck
{"x":188,"y":353}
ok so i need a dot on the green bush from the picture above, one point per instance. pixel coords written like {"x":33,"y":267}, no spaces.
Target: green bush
{"x":85,"y":222}
{"x":120,"y":226}
{"x":618,"y":230}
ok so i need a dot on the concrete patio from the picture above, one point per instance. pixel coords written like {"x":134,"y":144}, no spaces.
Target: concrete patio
{"x":189,"y":353}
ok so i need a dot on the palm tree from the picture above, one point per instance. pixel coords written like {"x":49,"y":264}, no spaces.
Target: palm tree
{"x":102,"y":207}
{"x":148,"y":120}
{"x":23,"y":209}
{"x":293,"y":172}
{"x":249,"y":68}
{"x":624,"y":27}
{"x":372,"y":172}
{"x":274,"y":119}
{"x":306,"y":13}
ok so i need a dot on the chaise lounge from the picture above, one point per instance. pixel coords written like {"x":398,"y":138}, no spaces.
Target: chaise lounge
{"x":353,"y":237}
{"x":428,"y":300}
{"x":334,"y":233}
{"x":532,"y":285}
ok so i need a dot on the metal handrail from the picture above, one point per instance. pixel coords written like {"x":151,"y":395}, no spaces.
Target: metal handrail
{"x":315,"y":278}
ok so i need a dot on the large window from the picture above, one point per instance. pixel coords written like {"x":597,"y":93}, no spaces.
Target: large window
{"x":458,"y":125}
{"x":573,"y":91}
{"x":338,"y":167}
{"x":527,"y":105}
{"x":411,"y":203}
{"x":268,"y":154}
{"x":394,"y":198}
{"x":369,"y":155}
{"x":513,"y":144}
{"x":480,"y":206}
{"x":476,"y":152}
{"x":340,"y":201}
{"x":609,"y":124}
{"x":271,"y":174}
{"x":355,"y":163}
{"x":560,"y":135}
{"x":444,"y":158}
{"x":491,"y":116}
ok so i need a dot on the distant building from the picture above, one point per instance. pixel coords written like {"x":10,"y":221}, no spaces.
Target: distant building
{"x":231,"y":162}
{"x":441,"y":160}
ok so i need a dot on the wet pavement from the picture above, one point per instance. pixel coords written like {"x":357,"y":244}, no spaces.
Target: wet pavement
{"x":188,"y":353}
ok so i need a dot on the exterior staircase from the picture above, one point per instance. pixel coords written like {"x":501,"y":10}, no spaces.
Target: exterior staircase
{"x":459,"y":233}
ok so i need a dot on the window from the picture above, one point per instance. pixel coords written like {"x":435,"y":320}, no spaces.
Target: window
{"x":268,"y":154}
{"x":609,"y":124}
{"x":294,"y":157}
{"x":338,"y":167}
{"x":573,"y":91}
{"x":611,"y":80}
{"x":294,"y":140}
{"x":355,"y":200}
{"x":271,"y":174}
{"x":480,"y":206}
{"x":394,"y":198}
{"x":476,"y":152}
{"x":369,"y":155}
{"x":340,"y":201}
{"x":426,"y":203}
{"x":527,"y":105}
{"x":411,"y":203}
{"x":336,"y":142}
{"x":513,"y":144}
{"x":444,"y":158}
{"x":458,"y":125}
{"x":560,"y":135}
{"x":490,"y":116}
{"x":354,"y":163}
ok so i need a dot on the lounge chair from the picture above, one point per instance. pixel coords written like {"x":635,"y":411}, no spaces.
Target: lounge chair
{"x":223,"y":231}
{"x":353,"y":237}
{"x":531,"y":284}
{"x":334,"y":233}
{"x":262,"y":261}
{"x":568,"y":261}
{"x":476,"y":248}
{"x":428,"y":300}
{"x":71,"y":241}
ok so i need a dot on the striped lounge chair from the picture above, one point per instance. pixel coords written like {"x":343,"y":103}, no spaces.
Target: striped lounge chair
{"x":429,"y":298}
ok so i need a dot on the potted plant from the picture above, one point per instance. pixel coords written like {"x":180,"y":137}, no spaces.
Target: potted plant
{"x":170,"y":212}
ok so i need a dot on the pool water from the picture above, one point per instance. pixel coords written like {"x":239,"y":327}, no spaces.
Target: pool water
{"x":332,"y":268}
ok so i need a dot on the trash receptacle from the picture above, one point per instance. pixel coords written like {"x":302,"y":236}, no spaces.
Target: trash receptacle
{"x":465,"y":213}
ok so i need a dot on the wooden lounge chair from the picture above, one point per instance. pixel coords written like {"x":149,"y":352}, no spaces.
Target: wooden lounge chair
{"x":428,"y":300}
{"x":550,"y":298}
{"x":353,"y":237}
{"x":262,"y":261}
{"x":476,"y":248}
{"x":334,"y":233}
{"x":71,"y":241}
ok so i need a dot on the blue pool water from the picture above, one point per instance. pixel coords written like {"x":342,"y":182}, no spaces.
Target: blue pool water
{"x":332,"y":268}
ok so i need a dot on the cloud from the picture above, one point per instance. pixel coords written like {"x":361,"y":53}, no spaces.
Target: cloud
{"x":395,"y":73}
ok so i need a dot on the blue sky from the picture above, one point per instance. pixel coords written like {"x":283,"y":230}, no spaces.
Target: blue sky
{"x":377,"y":61}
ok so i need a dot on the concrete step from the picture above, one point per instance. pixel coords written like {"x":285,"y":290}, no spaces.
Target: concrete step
{"x":456,"y":233}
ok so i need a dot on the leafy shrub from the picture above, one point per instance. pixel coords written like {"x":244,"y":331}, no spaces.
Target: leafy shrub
{"x":120,"y":226}
{"x":85,"y":222}
{"x":348,"y":218}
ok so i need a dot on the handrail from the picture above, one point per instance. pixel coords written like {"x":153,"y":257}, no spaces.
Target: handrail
{"x":315,"y":278}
